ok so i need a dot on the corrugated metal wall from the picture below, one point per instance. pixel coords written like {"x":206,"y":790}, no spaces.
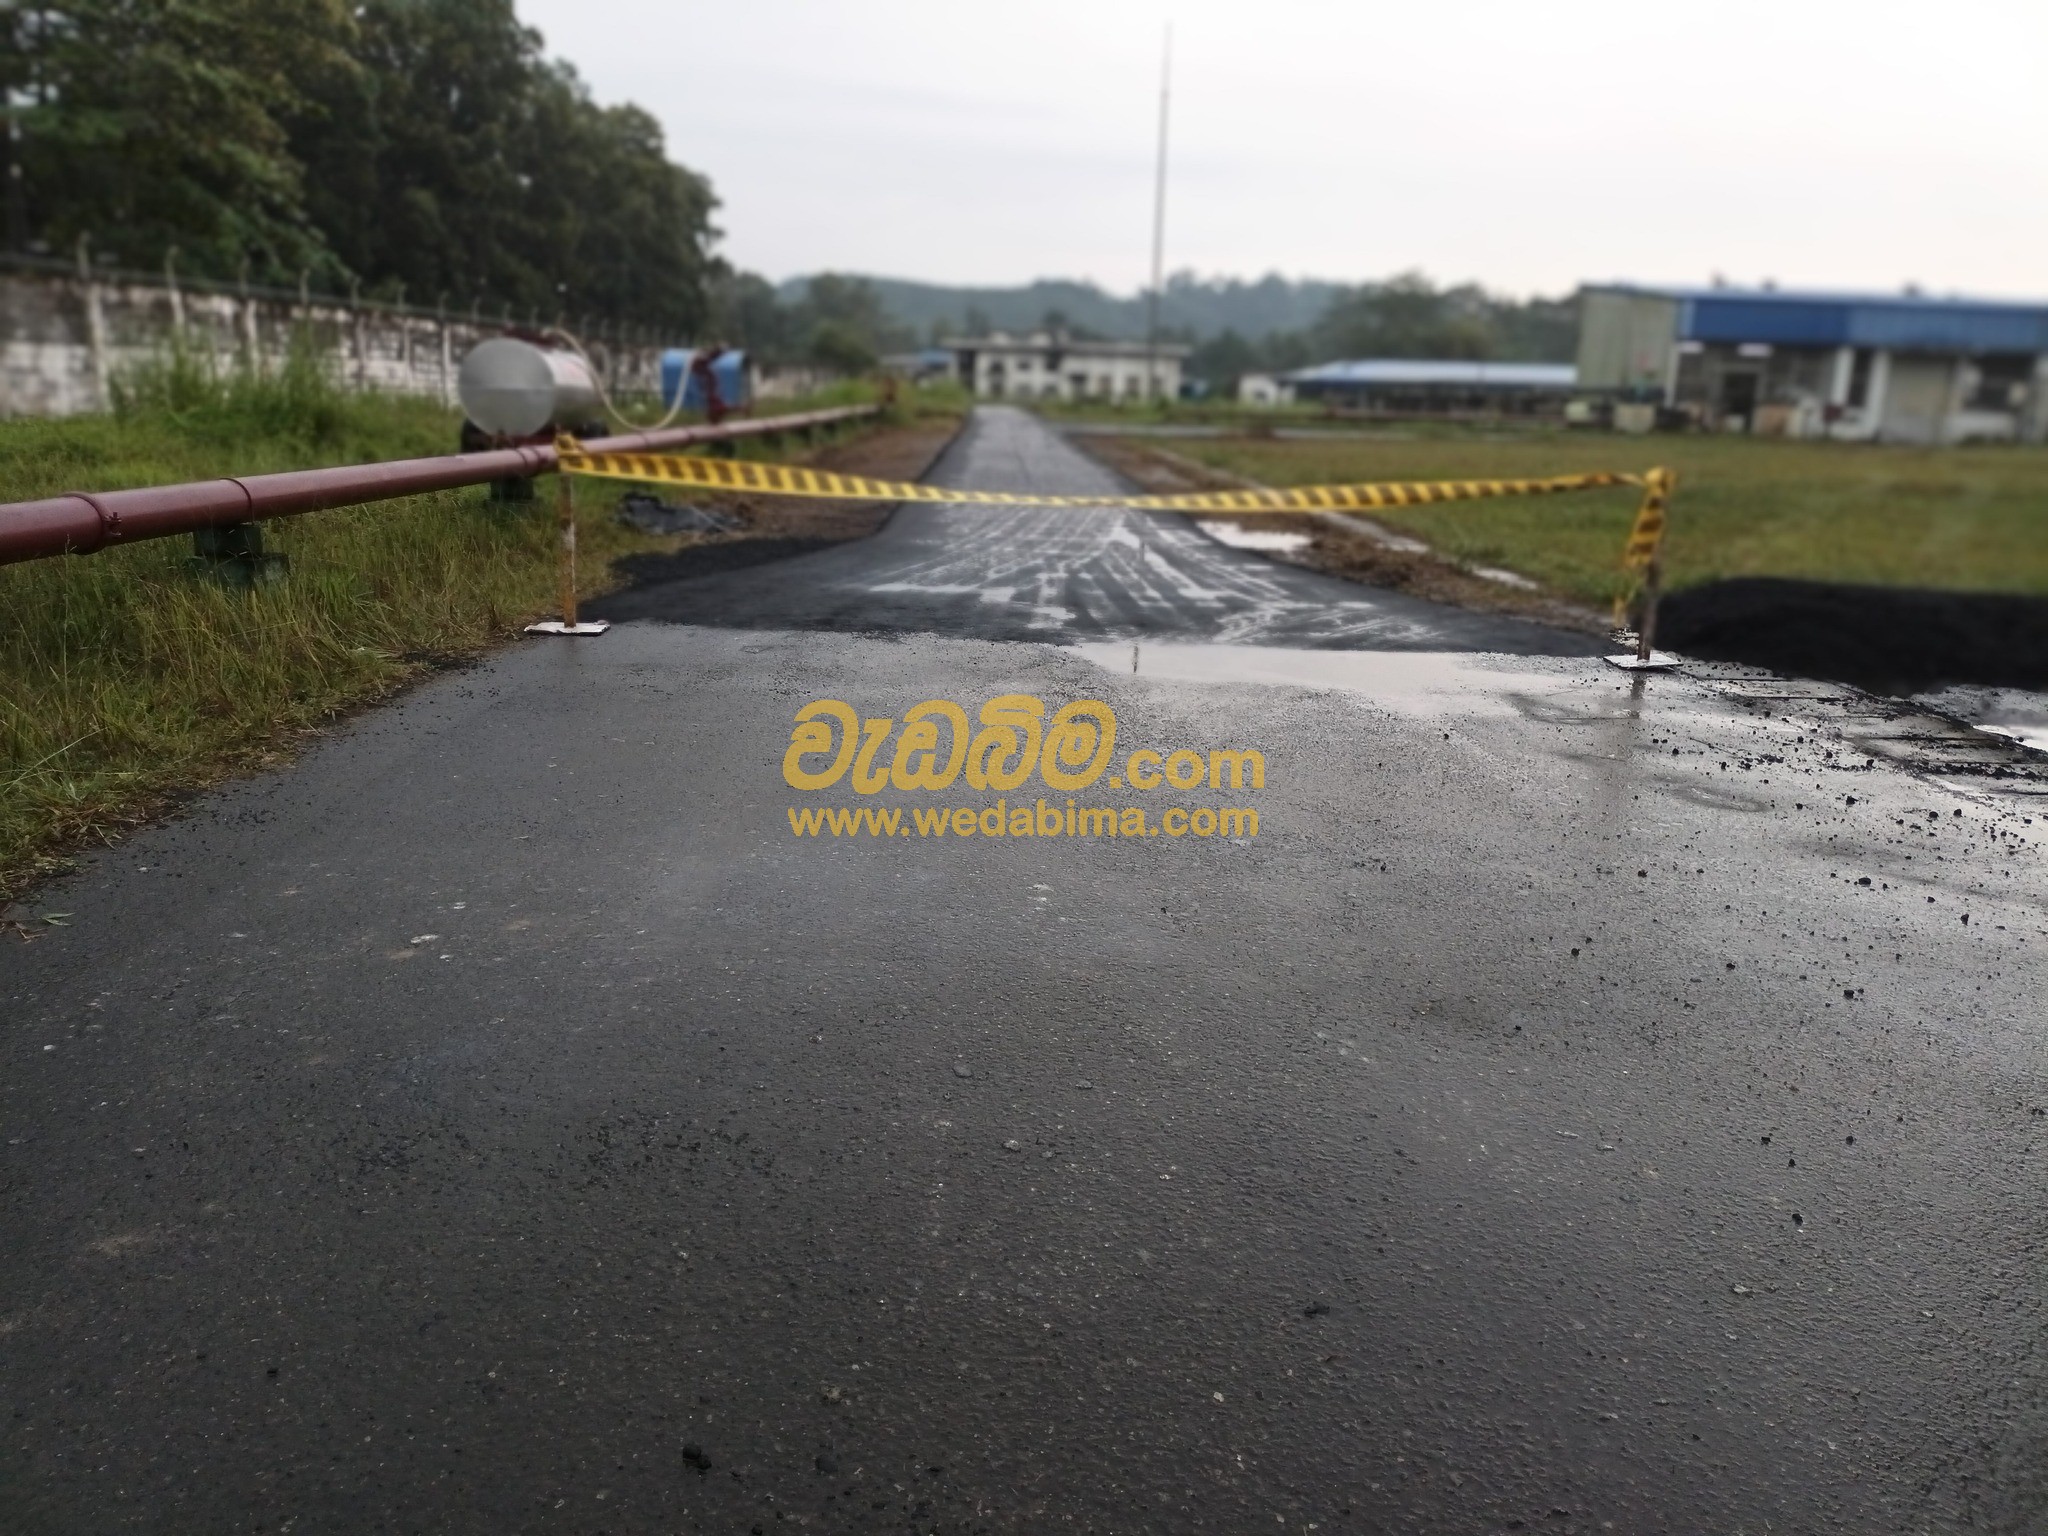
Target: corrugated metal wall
{"x":1625,"y":340}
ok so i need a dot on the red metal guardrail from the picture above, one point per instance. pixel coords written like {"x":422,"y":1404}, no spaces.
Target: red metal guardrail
{"x":85,"y":521}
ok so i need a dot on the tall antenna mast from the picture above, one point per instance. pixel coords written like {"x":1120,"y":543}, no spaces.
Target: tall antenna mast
{"x":1158,"y":226}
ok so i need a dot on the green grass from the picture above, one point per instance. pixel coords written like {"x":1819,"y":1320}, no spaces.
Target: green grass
{"x":1962,"y":518}
{"x":123,"y":677}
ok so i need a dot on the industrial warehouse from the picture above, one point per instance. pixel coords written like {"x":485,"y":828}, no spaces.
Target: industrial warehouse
{"x":1774,"y":363}
{"x":1896,"y":369}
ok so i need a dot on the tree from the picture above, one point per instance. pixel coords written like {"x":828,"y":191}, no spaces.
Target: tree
{"x":839,"y":347}
{"x":1406,"y":316}
{"x":415,"y":156}
{"x":148,"y":124}
{"x":1222,"y":360}
{"x":853,"y":303}
{"x":623,"y":231}
{"x":418,"y":146}
{"x":456,"y":159}
{"x":1409,"y":316}
{"x":844,"y":325}
{"x":746,"y":312}
{"x":1540,"y":330}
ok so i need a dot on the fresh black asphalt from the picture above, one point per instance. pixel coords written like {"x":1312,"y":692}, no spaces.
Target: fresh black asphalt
{"x":1062,"y":576}
{"x":499,"y":1121}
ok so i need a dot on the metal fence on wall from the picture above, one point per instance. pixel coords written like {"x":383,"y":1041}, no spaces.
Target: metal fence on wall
{"x":69,"y":331}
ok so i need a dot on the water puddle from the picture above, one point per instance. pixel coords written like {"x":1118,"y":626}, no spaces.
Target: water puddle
{"x":1263,"y":540}
{"x":1428,"y":683}
{"x":2015,"y":713}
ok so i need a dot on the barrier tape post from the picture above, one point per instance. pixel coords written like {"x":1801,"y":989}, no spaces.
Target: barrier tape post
{"x":1646,"y":633}
{"x":1645,"y":555}
{"x":565,"y":519}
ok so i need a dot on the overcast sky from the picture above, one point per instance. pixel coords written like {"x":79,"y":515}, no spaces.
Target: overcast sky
{"x":1527,"y":144}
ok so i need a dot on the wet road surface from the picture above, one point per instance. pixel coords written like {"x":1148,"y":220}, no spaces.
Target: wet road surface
{"x":502,"y":1121}
{"x":1046,"y":575}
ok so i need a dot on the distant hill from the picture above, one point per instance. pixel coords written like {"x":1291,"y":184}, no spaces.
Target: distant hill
{"x":1199,"y":308}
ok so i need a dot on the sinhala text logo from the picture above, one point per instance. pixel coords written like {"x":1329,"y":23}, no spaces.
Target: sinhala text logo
{"x":1010,"y":740}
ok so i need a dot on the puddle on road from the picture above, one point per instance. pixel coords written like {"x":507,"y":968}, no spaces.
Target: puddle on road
{"x":1264,"y":540}
{"x":1559,"y":690}
{"x":2011,"y":712}
{"x":1766,"y":736}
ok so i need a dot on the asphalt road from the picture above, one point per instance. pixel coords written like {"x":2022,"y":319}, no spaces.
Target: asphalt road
{"x":1042,"y":575}
{"x":500,"y":1121}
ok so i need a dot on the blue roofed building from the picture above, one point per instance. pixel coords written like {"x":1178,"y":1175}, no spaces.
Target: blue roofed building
{"x":1414,"y":386}
{"x":1885,"y":367}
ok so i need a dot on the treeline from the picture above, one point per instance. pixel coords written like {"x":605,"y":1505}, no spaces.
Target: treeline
{"x":423,"y":150}
{"x":1404,"y":316}
{"x":1190,"y":304}
{"x":846,"y":322}
{"x":837,"y":323}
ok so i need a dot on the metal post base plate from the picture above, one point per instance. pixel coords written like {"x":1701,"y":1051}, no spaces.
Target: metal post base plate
{"x":557,"y":627}
{"x":1657,"y":661}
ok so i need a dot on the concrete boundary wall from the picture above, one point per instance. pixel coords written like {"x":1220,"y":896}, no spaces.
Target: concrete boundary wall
{"x":66,"y":339}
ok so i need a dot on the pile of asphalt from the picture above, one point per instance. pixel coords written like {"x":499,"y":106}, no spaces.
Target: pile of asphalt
{"x":1885,"y":639}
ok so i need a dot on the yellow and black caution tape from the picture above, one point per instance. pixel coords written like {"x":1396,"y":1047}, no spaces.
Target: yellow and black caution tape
{"x":1647,"y":536}
{"x":1645,"y":540}
{"x":794,"y":480}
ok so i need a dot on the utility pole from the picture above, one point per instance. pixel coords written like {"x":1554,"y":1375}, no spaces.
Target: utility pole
{"x":1158,"y":226}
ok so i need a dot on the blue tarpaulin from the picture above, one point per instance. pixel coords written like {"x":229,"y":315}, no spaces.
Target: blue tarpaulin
{"x":730,"y":369}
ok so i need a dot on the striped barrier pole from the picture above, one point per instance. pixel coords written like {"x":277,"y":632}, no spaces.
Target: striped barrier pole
{"x":565,"y":522}
{"x":1645,"y":556}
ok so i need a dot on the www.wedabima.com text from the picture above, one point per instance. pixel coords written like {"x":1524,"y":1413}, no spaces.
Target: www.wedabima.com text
{"x":1019,"y":821}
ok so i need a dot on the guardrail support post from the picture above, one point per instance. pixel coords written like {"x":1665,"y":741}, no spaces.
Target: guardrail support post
{"x":517,"y":491}
{"x":233,"y":555}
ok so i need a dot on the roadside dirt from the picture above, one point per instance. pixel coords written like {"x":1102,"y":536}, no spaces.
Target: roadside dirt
{"x":1336,"y":550}
{"x":774,"y":528}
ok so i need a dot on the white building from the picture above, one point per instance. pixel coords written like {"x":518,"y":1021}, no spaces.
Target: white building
{"x":1264,"y":389}
{"x":1048,"y":366}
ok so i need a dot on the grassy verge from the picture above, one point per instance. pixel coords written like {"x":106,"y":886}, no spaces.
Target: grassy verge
{"x":1960,"y":518}
{"x":124,"y":679}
